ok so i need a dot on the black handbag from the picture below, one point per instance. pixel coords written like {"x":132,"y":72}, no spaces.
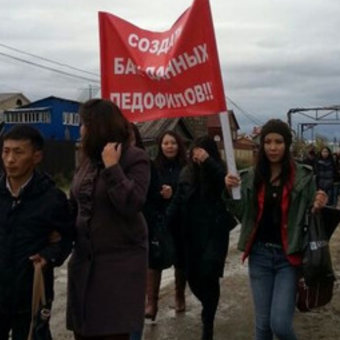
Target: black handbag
{"x":315,"y":295}
{"x":315,"y":287}
{"x":41,"y":311}
{"x":161,"y":247}
{"x":316,"y":259}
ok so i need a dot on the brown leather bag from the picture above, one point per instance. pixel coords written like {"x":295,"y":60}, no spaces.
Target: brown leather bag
{"x":315,"y":295}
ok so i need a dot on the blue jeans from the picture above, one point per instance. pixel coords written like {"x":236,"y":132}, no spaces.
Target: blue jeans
{"x":273,"y":283}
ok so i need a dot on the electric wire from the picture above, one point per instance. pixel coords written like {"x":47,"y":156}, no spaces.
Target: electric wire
{"x":48,"y":60}
{"x":49,"y":68}
{"x":251,"y":117}
{"x":244,"y":112}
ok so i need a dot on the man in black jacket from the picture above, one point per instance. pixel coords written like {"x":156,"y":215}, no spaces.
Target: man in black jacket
{"x":31,"y":210}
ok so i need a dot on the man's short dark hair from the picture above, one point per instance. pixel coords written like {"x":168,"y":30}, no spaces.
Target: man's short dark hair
{"x":26,"y":132}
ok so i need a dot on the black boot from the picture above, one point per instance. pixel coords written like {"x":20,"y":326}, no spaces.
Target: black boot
{"x":207,"y":332}
{"x":208,"y":324}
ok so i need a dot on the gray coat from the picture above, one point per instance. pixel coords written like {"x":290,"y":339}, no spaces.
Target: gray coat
{"x":107,"y":270}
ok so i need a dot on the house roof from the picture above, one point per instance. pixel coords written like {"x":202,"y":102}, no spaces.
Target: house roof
{"x":6,"y":96}
{"x":244,"y":143}
{"x":214,"y":120}
{"x":150,"y":130}
{"x":51,"y":98}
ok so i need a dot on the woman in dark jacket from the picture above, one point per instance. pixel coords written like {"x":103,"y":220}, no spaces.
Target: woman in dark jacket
{"x":169,"y":161}
{"x":107,"y":270}
{"x":325,"y":173}
{"x":205,"y":225}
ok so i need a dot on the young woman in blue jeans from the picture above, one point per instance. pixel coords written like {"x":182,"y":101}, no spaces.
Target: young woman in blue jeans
{"x":276,"y":193}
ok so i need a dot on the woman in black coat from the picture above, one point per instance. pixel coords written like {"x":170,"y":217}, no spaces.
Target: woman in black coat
{"x":325,"y":173}
{"x":205,"y":225}
{"x":165,"y":172}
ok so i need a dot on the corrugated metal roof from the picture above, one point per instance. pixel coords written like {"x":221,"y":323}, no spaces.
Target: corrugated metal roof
{"x":152,"y":129}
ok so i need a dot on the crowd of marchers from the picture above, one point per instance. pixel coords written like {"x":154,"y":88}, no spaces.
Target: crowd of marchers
{"x":128,"y":217}
{"x":326,"y":166}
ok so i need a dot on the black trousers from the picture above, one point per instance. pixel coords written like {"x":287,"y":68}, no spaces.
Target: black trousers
{"x":18,"y":323}
{"x":207,"y":291}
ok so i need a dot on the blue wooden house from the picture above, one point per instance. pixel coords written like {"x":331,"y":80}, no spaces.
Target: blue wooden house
{"x":56,"y":118}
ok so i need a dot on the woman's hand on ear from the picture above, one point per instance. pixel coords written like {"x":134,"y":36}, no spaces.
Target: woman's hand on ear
{"x":111,"y":154}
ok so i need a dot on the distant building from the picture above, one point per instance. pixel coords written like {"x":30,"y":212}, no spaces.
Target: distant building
{"x":245,"y":151}
{"x":244,"y":148}
{"x":256,"y":133}
{"x":215,"y":129}
{"x":58,"y":121}
{"x":198,"y":125}
{"x":56,"y":118}
{"x":10,"y":101}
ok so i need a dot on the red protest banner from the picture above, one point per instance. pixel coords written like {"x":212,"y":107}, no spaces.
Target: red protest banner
{"x":152,"y":75}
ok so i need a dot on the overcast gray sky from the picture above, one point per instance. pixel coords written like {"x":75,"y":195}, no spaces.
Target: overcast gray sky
{"x":274,"y":54}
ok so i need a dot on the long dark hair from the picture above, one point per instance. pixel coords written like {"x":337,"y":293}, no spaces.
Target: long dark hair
{"x":330,"y":160}
{"x":262,"y":166}
{"x":135,"y":137}
{"x":104,"y":123}
{"x":180,"y":158}
{"x":330,"y":156}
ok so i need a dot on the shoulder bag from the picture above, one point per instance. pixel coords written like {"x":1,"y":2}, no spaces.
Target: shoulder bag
{"x":41,"y":311}
{"x":315,"y":287}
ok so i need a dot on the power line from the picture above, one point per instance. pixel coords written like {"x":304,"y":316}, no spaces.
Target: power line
{"x":247,"y":114}
{"x":48,"y":60}
{"x":49,"y":68}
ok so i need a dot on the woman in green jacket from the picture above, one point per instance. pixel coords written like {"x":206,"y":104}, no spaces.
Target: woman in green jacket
{"x":276,"y":193}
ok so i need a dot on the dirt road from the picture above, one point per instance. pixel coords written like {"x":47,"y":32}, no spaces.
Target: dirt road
{"x":234,"y":319}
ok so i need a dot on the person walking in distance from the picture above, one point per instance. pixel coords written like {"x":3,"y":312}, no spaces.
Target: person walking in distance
{"x":325,"y":171}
